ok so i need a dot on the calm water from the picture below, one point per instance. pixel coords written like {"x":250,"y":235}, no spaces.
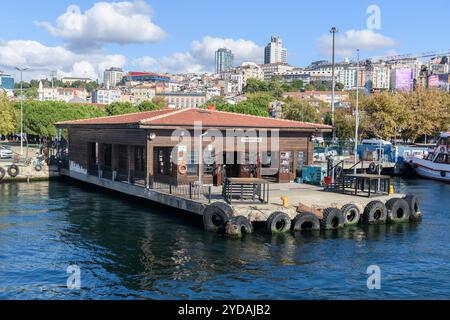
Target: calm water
{"x":132,"y":250}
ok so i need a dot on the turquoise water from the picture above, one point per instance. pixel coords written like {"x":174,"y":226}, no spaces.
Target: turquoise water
{"x":127,"y":249}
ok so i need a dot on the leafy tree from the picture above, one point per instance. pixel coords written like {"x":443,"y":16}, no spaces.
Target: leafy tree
{"x":345,"y":124}
{"x":427,"y":113}
{"x":161,"y":102}
{"x":300,"y":111}
{"x":6,"y":116}
{"x":148,"y":106}
{"x":339,"y":86}
{"x":118,"y":108}
{"x":39,"y":117}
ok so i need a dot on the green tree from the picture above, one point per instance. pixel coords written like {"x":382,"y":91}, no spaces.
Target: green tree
{"x":148,"y":106}
{"x":300,"y":111}
{"x":39,"y":117}
{"x":161,"y":102}
{"x":6,"y":116}
{"x":118,"y":108}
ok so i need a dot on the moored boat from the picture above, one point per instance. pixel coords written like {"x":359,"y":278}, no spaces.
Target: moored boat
{"x":437,"y":164}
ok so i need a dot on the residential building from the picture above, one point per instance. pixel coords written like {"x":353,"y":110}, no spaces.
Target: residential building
{"x":112,"y":77}
{"x":72,"y":95}
{"x":106,"y":96}
{"x":6,"y":81}
{"x":142,"y":93}
{"x":181,"y":100}
{"x":274,"y":52}
{"x":224,"y":60}
{"x":133,"y":78}
{"x":341,"y":98}
{"x":275,"y":69}
{"x":71,"y":80}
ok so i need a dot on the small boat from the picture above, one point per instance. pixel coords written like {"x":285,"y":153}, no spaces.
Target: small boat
{"x":436,"y":165}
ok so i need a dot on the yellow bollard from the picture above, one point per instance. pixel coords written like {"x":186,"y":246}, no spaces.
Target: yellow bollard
{"x":285,"y":201}
{"x":391,"y":189}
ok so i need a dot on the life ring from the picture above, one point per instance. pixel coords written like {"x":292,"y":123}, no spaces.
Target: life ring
{"x":38,"y":168}
{"x":182,"y":169}
{"x":13,"y":171}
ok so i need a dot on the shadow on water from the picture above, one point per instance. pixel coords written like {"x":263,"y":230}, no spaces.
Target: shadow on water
{"x":132,"y":248}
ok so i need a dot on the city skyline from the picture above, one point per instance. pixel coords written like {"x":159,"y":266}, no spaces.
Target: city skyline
{"x":61,"y":38}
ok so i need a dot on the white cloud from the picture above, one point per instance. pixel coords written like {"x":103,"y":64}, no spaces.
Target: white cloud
{"x":116,"y":22}
{"x":43,"y":59}
{"x":200,"y":57}
{"x":144,"y":63}
{"x":243,"y":50}
{"x":347,"y":42}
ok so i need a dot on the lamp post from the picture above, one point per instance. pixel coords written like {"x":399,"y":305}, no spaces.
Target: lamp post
{"x":356,"y":110}
{"x":333,"y":31}
{"x":200,"y":160}
{"x":21,"y":70}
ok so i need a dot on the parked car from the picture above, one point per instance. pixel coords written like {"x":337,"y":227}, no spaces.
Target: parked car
{"x":5,"y":153}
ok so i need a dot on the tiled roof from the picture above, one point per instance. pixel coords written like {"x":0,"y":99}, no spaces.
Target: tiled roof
{"x":187,"y":117}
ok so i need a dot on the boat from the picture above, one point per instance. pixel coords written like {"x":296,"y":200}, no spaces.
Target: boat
{"x":436,"y":165}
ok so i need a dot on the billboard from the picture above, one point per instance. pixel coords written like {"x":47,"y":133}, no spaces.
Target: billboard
{"x":433,"y":81}
{"x":404,"y":79}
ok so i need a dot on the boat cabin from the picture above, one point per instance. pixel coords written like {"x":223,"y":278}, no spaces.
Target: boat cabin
{"x":189,"y":145}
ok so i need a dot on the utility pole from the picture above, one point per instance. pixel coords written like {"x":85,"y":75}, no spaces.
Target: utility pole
{"x":21,"y":70}
{"x":333,"y":31}
{"x":356,"y":111}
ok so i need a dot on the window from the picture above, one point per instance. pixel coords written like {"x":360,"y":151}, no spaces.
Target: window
{"x":164,"y":161}
{"x":442,"y":158}
{"x":192,"y":168}
{"x":139,"y":159}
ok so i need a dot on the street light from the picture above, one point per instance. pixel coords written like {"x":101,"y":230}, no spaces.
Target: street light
{"x":356,"y":111}
{"x":333,"y":31}
{"x":201,"y":167}
{"x":21,"y":70}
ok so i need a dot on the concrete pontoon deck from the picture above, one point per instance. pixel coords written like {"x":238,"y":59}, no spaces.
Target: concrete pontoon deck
{"x":313,"y":196}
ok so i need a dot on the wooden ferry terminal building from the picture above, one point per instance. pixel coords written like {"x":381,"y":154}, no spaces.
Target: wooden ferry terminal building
{"x":138,"y":148}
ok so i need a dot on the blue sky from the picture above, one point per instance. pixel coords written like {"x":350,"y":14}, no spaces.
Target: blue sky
{"x":182,"y":35}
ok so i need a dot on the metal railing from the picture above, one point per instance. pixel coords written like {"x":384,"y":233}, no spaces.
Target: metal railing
{"x":191,"y":190}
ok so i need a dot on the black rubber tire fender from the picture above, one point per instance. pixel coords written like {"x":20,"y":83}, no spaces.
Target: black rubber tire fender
{"x":38,"y":168}
{"x":332,"y":219}
{"x":414,"y":207}
{"x":351,"y":213}
{"x":398,"y":210}
{"x":372,"y":167}
{"x":375,"y":213}
{"x":239,"y":226}
{"x":279,"y":222}
{"x":216,"y":216}
{"x":306,"y":221}
{"x":2,"y":173}
{"x":13,"y":171}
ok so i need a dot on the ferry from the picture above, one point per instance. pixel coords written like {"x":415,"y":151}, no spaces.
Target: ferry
{"x":436,"y":165}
